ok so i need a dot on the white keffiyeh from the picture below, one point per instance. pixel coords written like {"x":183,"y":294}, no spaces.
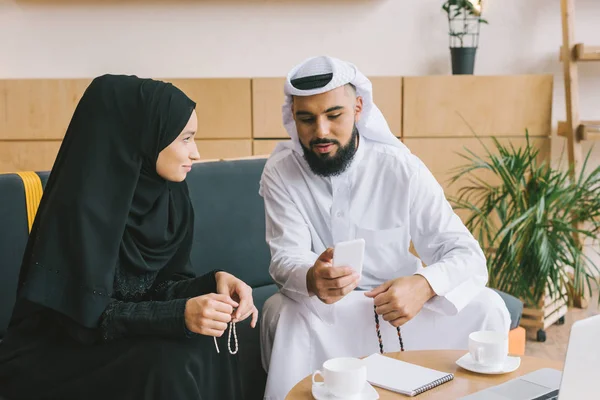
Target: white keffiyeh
{"x":334,"y":73}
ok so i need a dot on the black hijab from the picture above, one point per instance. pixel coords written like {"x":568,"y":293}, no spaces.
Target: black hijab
{"x":104,"y":204}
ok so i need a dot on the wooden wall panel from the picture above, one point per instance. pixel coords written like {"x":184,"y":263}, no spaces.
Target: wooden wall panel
{"x":36,"y":155}
{"x":267,"y":99}
{"x":491,"y":105}
{"x":232,"y":111}
{"x":387,"y":95}
{"x":38,"y":108}
{"x":442,"y":156}
{"x":223,"y":106}
{"x":31,"y":155}
{"x":42,"y":108}
{"x":219,"y":149}
{"x":264,"y":147}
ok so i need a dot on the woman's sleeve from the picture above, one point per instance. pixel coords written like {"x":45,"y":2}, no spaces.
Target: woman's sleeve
{"x":163,"y":314}
{"x":178,"y":287}
{"x":123,"y":319}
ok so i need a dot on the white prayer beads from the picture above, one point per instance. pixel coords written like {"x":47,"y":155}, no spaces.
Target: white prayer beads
{"x":232,"y":324}
{"x":231,"y":328}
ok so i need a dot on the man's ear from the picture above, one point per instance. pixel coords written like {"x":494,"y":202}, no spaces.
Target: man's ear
{"x":358,"y":107}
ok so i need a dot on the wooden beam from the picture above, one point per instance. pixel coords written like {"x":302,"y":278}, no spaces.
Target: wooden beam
{"x":590,"y":130}
{"x":587,"y":130}
{"x":571,"y":96}
{"x":587,"y":53}
{"x":571,"y":85}
{"x":582,"y":52}
{"x":562,"y":129}
{"x":572,"y":54}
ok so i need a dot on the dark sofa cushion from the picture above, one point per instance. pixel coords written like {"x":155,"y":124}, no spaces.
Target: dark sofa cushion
{"x":230,"y":220}
{"x":515,"y":308}
{"x":44,"y":177}
{"x":13,"y":222}
{"x":230,"y":235}
{"x":252,"y":374}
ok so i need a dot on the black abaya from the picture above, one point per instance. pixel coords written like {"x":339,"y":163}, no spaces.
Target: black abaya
{"x":106,"y":273}
{"x":148,"y":355}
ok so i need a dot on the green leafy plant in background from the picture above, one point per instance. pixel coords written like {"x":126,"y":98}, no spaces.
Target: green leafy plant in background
{"x":529,"y":220}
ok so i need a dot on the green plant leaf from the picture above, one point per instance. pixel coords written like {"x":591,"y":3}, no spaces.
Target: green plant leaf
{"x":527,"y":217}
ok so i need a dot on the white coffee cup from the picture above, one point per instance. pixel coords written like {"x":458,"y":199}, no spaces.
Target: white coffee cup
{"x":488,"y":348}
{"x":343,"y":377}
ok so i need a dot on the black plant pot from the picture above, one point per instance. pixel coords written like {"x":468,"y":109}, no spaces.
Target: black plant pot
{"x":463,"y":60}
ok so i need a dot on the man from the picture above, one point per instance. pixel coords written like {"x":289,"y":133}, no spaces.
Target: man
{"x":344,"y":176}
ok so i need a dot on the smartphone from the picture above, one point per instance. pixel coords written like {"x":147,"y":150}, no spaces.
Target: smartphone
{"x":350,"y":254}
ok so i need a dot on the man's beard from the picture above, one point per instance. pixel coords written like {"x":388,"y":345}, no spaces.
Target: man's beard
{"x":326,"y":165}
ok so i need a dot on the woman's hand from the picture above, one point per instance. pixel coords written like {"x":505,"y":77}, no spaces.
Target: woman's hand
{"x":238,"y":291}
{"x":209,"y":314}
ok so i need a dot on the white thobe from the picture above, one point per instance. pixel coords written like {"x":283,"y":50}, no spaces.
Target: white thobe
{"x":388,"y":197}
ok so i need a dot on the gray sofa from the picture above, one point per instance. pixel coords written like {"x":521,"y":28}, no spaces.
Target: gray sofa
{"x":229,"y":234}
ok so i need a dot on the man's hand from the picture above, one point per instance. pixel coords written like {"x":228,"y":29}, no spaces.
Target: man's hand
{"x":233,"y":287}
{"x":328,"y":283}
{"x":399,"y":300}
{"x":209,"y":314}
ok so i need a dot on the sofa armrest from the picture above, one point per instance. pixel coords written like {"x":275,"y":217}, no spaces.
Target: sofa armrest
{"x":515,"y":308}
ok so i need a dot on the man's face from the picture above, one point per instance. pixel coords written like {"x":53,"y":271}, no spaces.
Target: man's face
{"x":326,"y":128}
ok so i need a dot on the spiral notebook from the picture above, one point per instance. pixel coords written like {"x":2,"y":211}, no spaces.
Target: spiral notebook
{"x":402,"y":377}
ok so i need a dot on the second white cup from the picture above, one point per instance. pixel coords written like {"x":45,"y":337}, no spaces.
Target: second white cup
{"x":488,"y":348}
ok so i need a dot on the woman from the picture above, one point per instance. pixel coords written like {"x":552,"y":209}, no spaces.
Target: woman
{"x":108,"y":306}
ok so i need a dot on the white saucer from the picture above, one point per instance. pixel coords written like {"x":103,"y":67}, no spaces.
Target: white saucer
{"x":467,"y":362}
{"x":320,"y":392}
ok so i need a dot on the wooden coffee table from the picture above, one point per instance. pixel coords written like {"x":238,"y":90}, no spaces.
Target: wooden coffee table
{"x":464,"y":382}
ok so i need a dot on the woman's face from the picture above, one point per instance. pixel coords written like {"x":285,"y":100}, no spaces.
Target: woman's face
{"x":176,"y":160}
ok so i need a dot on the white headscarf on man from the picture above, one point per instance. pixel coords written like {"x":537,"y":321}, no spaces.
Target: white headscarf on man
{"x":321,"y":74}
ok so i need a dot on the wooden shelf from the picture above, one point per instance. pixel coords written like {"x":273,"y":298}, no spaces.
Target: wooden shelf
{"x":581,"y":52}
{"x":587,"y":130}
{"x":587,"y":53}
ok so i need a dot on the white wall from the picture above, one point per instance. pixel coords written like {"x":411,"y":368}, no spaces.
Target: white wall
{"x":251,"y":38}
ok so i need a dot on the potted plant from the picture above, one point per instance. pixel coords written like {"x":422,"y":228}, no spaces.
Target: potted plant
{"x":464,"y":21}
{"x":530,"y":219}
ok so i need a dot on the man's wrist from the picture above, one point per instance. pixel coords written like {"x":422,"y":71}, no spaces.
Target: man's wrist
{"x":430,"y":293}
{"x":310,"y":281}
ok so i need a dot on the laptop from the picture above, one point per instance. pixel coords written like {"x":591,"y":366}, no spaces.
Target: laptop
{"x":578,"y":381}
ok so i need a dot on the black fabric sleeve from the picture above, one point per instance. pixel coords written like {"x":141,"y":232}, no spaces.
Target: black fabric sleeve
{"x":185,"y":288}
{"x":163,"y":314}
{"x":148,"y":318}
